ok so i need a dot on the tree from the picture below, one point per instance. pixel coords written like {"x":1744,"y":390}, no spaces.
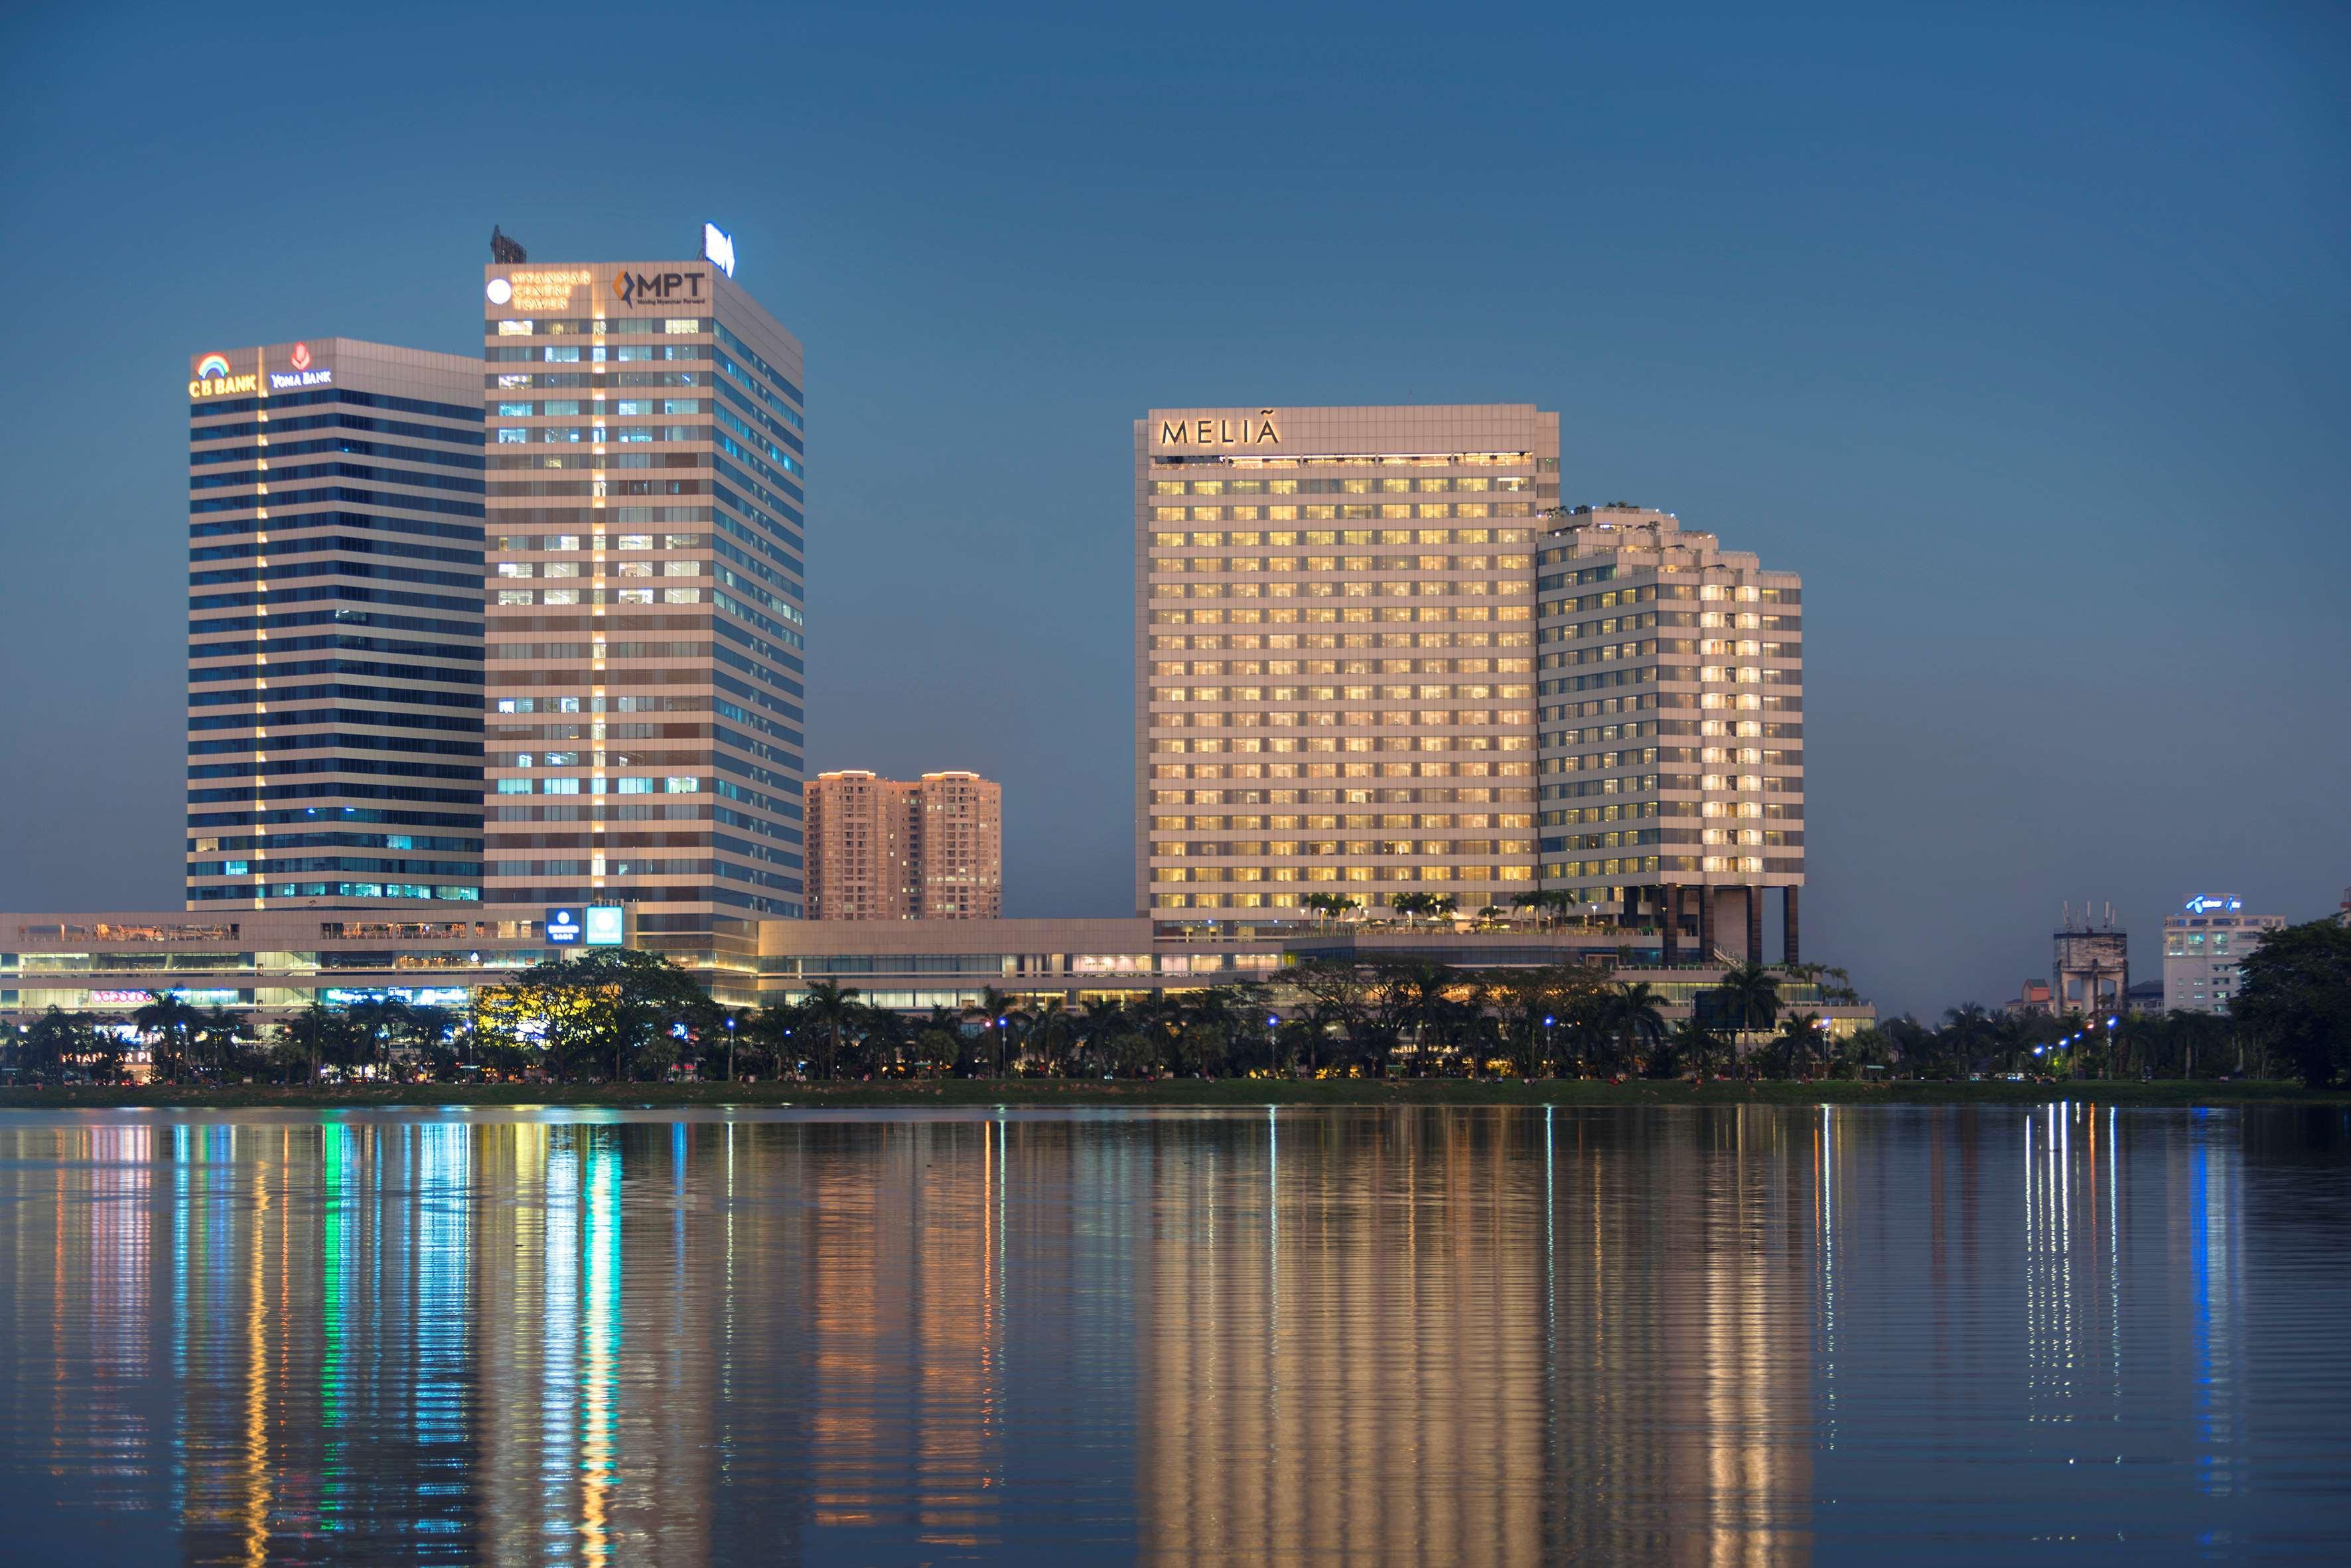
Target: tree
{"x":1052,"y":1032}
{"x":1799,"y":1041}
{"x":1333,"y":904}
{"x":2295,"y":992}
{"x":1638,"y":1019}
{"x":999,"y":1013}
{"x":1749,"y":995}
{"x":315,"y":1034}
{"x":826,"y":1010}
{"x":173,"y":1024}
{"x":615,"y":1004}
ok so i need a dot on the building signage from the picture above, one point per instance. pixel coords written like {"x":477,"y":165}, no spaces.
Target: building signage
{"x":607,"y":925}
{"x":303,"y":374}
{"x":719,"y":248}
{"x":2203,"y":905}
{"x":563,"y":927}
{"x":537,"y":289}
{"x":213,"y":380}
{"x":1244,"y":431}
{"x":120,"y":999}
{"x":646,"y":289}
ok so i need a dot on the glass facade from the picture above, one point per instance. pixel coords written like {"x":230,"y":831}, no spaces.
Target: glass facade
{"x":334,"y":626}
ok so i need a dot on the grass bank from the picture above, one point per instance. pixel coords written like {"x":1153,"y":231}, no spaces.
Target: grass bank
{"x":1077,"y":1092}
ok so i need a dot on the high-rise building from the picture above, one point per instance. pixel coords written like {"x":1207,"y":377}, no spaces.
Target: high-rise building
{"x":646,"y":456}
{"x":2203,"y":946}
{"x":1334,"y":660}
{"x":334,"y":624}
{"x":892,"y":849}
{"x":1673,"y":757}
{"x":959,"y":846}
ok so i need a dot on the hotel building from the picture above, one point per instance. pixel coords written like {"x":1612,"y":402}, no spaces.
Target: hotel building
{"x":645,"y":533}
{"x":892,"y":849}
{"x":1673,"y":761}
{"x":334,"y":625}
{"x":1334,"y":660}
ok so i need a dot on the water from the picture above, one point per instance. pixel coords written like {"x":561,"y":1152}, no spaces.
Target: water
{"x":1443,"y":1336}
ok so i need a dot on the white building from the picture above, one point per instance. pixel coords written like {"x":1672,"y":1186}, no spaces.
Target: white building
{"x":2202,"y":948}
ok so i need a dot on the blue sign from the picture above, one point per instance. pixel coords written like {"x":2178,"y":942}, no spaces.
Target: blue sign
{"x":563,"y":926}
{"x":608,"y":926}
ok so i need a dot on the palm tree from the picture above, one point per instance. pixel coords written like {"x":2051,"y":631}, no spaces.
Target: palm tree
{"x":1053,"y":1029}
{"x":1694,"y":1044}
{"x":217,"y":1036}
{"x":1638,"y":1017}
{"x":829,"y":1007}
{"x":1800,"y":1036}
{"x":1000,"y":1011}
{"x":1750,"y":997}
{"x":315,"y":1031}
{"x":169,"y":1017}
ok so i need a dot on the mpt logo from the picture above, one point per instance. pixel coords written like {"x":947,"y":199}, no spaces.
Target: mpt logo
{"x":658,"y":288}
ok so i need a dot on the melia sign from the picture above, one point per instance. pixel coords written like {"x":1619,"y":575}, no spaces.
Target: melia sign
{"x":563,"y":927}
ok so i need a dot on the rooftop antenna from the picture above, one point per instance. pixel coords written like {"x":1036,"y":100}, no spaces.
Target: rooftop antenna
{"x":506,"y":250}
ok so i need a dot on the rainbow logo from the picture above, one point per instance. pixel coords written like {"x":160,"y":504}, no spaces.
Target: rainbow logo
{"x":211,"y":365}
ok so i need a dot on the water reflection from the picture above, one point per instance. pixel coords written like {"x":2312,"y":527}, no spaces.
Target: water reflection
{"x":1743,"y":1336}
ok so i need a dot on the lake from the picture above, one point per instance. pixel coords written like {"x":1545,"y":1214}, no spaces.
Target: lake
{"x":1437,"y":1335}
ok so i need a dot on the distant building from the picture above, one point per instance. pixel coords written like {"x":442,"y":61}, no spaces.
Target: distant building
{"x":2032,"y":1000}
{"x":2090,"y":967}
{"x":890,"y":849}
{"x":2147,"y":997}
{"x":2202,"y":946}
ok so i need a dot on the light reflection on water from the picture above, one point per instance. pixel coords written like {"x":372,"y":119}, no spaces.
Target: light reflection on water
{"x":1743,"y":1335}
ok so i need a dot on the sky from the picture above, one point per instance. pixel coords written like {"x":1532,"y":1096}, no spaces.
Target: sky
{"x":2022,"y":332}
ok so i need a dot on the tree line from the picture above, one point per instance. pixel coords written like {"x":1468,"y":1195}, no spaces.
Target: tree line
{"x":622,"y":1016}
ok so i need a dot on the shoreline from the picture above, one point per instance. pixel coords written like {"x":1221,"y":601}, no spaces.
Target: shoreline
{"x":1077,"y":1093}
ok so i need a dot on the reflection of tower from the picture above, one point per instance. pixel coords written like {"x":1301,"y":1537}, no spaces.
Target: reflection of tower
{"x":905,"y":1331}
{"x":1340,"y":1342}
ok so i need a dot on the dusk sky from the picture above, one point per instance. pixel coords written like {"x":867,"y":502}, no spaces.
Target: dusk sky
{"x":2024,"y":333}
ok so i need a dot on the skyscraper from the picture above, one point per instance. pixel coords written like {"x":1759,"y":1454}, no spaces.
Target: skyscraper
{"x":894,"y":849}
{"x":1334,"y":622}
{"x":1673,"y":756}
{"x":334,"y":624}
{"x":646,"y":487}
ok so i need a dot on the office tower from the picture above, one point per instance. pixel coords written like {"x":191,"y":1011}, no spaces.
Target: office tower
{"x":1334,"y":686}
{"x":644,"y":627}
{"x":334,"y":624}
{"x":892,"y":849}
{"x":1673,"y":757}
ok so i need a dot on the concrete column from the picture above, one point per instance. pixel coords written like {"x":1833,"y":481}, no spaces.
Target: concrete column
{"x":1754,"y":924}
{"x":1669,"y":900}
{"x":1706,"y":924}
{"x":1629,"y":907}
{"x":1788,"y":921}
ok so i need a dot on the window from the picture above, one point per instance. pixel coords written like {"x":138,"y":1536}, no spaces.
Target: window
{"x":559,"y":786}
{"x":634,"y":541}
{"x":681,"y":569}
{"x":636,"y":596}
{"x":681,"y":786}
{"x":636,"y":787}
{"x":681,"y":596}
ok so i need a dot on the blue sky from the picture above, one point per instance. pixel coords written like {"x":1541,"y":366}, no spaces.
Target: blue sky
{"x":2021,"y":332}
